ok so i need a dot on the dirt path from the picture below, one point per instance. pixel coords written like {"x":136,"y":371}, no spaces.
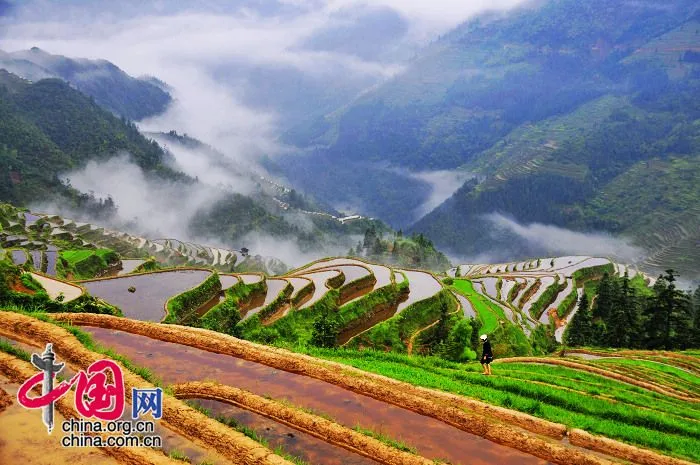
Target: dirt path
{"x":179,"y":417}
{"x":412,"y":339}
{"x":54,"y":288}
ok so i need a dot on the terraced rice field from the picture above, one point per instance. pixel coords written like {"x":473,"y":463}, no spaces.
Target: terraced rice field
{"x":433,"y":438}
{"x":19,"y":256}
{"x":152,"y":291}
{"x":380,"y":272}
{"x":129,"y":265}
{"x":422,"y":286}
{"x":274,"y":289}
{"x":228,"y":281}
{"x":55,"y":288}
{"x":319,"y":278}
{"x":315,"y":409}
{"x":51,"y":259}
{"x":299,"y":284}
{"x":251,"y":278}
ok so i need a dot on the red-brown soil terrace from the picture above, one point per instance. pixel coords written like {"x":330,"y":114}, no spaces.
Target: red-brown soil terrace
{"x":176,"y":415}
{"x":496,"y":424}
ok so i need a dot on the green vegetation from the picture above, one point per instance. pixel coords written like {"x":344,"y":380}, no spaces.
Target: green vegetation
{"x":568,"y":303}
{"x":546,"y":298}
{"x":416,"y":251}
{"x":48,"y":128}
{"x":389,"y":441}
{"x":14,"y":351}
{"x":12,"y":276}
{"x":223,"y":317}
{"x":488,"y":312}
{"x":394,"y":333}
{"x":577,"y":399}
{"x":182,"y":309}
{"x":88,"y":263}
{"x":178,"y":455}
{"x":625,"y":316}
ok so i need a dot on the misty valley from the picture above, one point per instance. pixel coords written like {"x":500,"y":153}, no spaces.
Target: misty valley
{"x":351,"y":232}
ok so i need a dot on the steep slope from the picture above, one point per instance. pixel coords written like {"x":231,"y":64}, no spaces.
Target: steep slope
{"x":550,"y":105}
{"x":48,"y":128}
{"x":623,"y":164}
{"x":112,"y":88}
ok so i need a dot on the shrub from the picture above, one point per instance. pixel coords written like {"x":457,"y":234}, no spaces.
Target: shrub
{"x":222,"y":318}
{"x":183,"y":307}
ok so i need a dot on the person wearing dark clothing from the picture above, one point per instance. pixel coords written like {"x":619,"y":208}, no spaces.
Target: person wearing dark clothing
{"x":486,"y":355}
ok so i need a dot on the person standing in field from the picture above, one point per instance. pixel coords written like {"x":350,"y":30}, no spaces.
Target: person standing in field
{"x":486,"y":355}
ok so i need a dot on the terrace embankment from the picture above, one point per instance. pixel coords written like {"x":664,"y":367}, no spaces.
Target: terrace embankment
{"x":175,"y":363}
{"x":665,"y":390}
{"x":467,"y":414}
{"x":176,"y":415}
{"x":24,"y":438}
{"x":311,"y":424}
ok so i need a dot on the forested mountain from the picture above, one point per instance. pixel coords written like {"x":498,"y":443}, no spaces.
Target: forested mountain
{"x":47,"y":128}
{"x":112,"y":88}
{"x":579,"y":114}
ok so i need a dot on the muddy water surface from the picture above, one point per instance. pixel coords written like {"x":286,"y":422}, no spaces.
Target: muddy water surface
{"x":227,"y":281}
{"x":274,"y":288}
{"x":174,"y":363}
{"x":51,"y":258}
{"x":422,"y":286}
{"x":304,"y":446}
{"x":129,"y":265}
{"x":19,"y":257}
{"x":319,"y":278}
{"x":381,"y":273}
{"x":152,"y":291}
{"x":298,"y":284}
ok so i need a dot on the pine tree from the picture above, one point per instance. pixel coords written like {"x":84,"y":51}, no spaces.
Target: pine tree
{"x":325,"y":331}
{"x":476,"y":328}
{"x":442,"y":330}
{"x":623,"y":325}
{"x":580,"y":331}
{"x":669,"y":315}
{"x":605,"y":298}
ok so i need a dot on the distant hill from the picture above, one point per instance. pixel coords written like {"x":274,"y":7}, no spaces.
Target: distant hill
{"x":48,"y":128}
{"x":579,"y":114}
{"x":112,"y":88}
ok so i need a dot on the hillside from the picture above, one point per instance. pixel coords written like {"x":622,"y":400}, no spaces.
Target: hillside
{"x":558,"y":105}
{"x":636,"y":406}
{"x":112,"y":89}
{"x":48,"y":129}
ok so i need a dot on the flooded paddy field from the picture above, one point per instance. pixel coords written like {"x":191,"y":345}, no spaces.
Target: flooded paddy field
{"x":174,"y":363}
{"x":152,"y":291}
